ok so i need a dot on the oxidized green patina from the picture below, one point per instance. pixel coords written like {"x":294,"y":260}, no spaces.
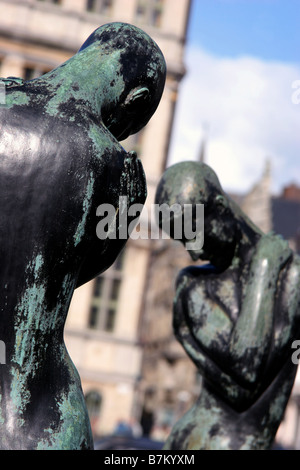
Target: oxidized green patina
{"x":60,"y":159}
{"x":236,"y":317}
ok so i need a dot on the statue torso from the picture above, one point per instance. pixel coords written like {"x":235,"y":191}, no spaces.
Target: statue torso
{"x":54,"y":173}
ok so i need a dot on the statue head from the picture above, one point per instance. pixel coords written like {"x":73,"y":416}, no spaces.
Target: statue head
{"x":139,"y":80}
{"x":195,"y":183}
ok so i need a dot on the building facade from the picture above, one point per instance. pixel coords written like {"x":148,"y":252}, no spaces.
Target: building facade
{"x":103,"y":328}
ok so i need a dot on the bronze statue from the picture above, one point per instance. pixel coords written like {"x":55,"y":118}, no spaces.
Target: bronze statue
{"x":60,"y":160}
{"x":236,"y":317}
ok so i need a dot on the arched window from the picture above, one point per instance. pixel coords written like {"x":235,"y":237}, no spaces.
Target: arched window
{"x":93,"y":400}
{"x":149,"y":12}
{"x":99,"y":6}
{"x":106,"y":296}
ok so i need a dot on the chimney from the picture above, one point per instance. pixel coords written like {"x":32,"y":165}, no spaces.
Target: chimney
{"x":291,"y":192}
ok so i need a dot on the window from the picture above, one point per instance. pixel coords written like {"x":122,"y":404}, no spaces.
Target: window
{"x":93,"y":401}
{"x":106,"y":7}
{"x":32,"y":71}
{"x":106,"y":296}
{"x":99,"y":6}
{"x":149,"y":11}
{"x":91,"y":5}
{"x":55,"y":2}
{"x":141,"y":10}
{"x":28,"y":73}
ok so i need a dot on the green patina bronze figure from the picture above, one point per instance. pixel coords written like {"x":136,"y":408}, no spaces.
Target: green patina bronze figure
{"x":60,"y":158}
{"x":236,"y":317}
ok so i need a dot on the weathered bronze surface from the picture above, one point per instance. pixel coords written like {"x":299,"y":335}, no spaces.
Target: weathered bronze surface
{"x":61,"y":159}
{"x":236,"y":317}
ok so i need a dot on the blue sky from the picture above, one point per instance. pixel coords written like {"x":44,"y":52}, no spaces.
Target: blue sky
{"x":242,"y":60}
{"x":262,"y":28}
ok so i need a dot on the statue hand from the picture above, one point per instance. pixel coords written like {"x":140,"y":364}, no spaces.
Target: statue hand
{"x":133,"y":181}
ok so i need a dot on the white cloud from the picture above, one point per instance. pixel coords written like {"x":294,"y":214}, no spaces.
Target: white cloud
{"x":247,"y":104}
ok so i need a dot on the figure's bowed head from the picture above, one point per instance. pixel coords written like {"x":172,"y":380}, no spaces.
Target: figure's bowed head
{"x":194,"y":183}
{"x":116,"y":79}
{"x":132,"y":75}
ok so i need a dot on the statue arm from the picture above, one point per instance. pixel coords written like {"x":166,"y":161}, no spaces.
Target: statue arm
{"x":238,"y":351}
{"x":103,"y":253}
{"x":287,"y":315}
{"x":252,"y":337}
{"x":202,"y":343}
